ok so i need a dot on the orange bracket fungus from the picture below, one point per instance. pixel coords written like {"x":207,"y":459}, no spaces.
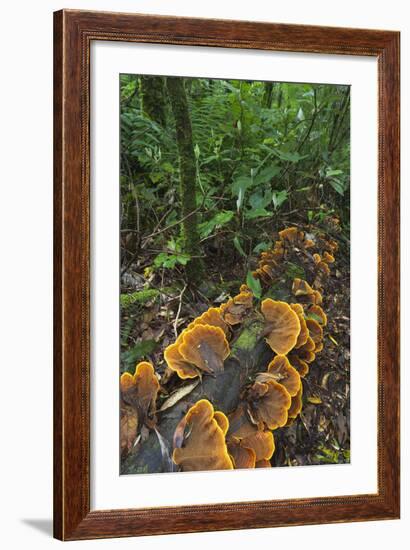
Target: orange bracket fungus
{"x":304,"y":331}
{"x":280,"y":370}
{"x":301,"y":366}
{"x":302,"y":289}
{"x":202,"y":445}
{"x":239,"y":434}
{"x":296,"y":404}
{"x":292,"y":235}
{"x":205,"y":347}
{"x":237,"y":308}
{"x":211,"y":317}
{"x":177,"y":363}
{"x":319,"y":315}
{"x":268,"y":404}
{"x":247,"y":445}
{"x":282,"y":325}
{"x":139,"y":391}
{"x":328,"y":258}
{"x":202,"y":348}
{"x":315,"y":331}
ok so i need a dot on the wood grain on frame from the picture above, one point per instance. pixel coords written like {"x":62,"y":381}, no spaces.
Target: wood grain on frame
{"x":73,"y":32}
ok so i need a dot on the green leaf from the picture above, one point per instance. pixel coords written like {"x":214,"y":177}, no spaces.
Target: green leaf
{"x":290,"y":157}
{"x":222,"y":218}
{"x":241,"y":183}
{"x":260,"y":200}
{"x":278,"y":198}
{"x":169,"y":261}
{"x":339,"y":186}
{"x":314,"y":317}
{"x":238,"y":246}
{"x":257,"y":213}
{"x":266,"y":174}
{"x":333,"y":173}
{"x":254,"y":285}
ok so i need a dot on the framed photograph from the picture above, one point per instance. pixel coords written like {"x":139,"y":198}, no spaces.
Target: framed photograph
{"x":227,"y":215}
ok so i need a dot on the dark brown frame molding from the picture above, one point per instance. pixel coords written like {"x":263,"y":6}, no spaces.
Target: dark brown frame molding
{"x":73,"y":33}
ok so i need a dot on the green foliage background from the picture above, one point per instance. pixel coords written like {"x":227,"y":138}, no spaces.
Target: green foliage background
{"x":265,"y":153}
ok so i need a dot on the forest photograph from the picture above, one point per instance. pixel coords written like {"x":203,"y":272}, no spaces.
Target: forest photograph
{"x":234,"y":274}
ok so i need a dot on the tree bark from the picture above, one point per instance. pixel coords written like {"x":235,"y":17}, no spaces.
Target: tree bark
{"x":153,"y":98}
{"x":187,"y":173}
{"x":267,"y":95}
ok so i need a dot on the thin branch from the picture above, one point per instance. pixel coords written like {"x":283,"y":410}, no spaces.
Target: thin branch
{"x":179,"y":311}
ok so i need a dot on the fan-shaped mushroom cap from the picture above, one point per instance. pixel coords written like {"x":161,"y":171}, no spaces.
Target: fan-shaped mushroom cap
{"x":245,"y":435}
{"x":283,"y":372}
{"x":222,"y":421}
{"x":262,"y":443}
{"x":140,"y":390}
{"x":304,"y":291}
{"x":210,"y":317}
{"x":315,"y":331}
{"x":242,"y":457}
{"x":206,"y":347}
{"x":283,"y":324}
{"x":297,"y":363}
{"x":333,"y":246}
{"x":177,"y":363}
{"x":309,"y":346}
{"x":269,"y":403}
{"x":204,"y":447}
{"x":296,"y":404}
{"x":318,"y":312}
{"x":308,"y":243}
{"x":319,"y":347}
{"x":317,"y":258}
{"x":244,"y":288}
{"x":304,"y":332}
{"x":329,"y":258}
{"x":301,"y":288}
{"x":237,"y":308}
{"x":323,"y":268}
{"x":291,"y":234}
{"x":263,"y":464}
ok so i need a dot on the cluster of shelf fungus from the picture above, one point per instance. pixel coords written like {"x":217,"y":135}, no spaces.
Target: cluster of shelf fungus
{"x":240,"y":368}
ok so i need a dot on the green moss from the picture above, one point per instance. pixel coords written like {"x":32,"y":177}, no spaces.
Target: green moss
{"x":140,"y":297}
{"x":249,"y":337}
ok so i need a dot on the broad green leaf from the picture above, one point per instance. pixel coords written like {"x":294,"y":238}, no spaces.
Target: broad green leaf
{"x":266,"y":174}
{"x":257,"y":213}
{"x":278,"y":198}
{"x":338,"y":185}
{"x":222,"y":218}
{"x":254,"y":285}
{"x":242,"y":182}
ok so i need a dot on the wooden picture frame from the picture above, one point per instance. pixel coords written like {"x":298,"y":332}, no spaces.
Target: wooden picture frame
{"x":74,"y":32}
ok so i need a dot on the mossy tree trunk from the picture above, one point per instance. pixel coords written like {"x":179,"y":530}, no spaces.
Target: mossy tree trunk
{"x":187,"y":174}
{"x":267,"y":95}
{"x":153,"y":98}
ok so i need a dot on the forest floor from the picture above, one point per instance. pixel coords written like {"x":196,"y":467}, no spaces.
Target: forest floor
{"x":321,"y":434}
